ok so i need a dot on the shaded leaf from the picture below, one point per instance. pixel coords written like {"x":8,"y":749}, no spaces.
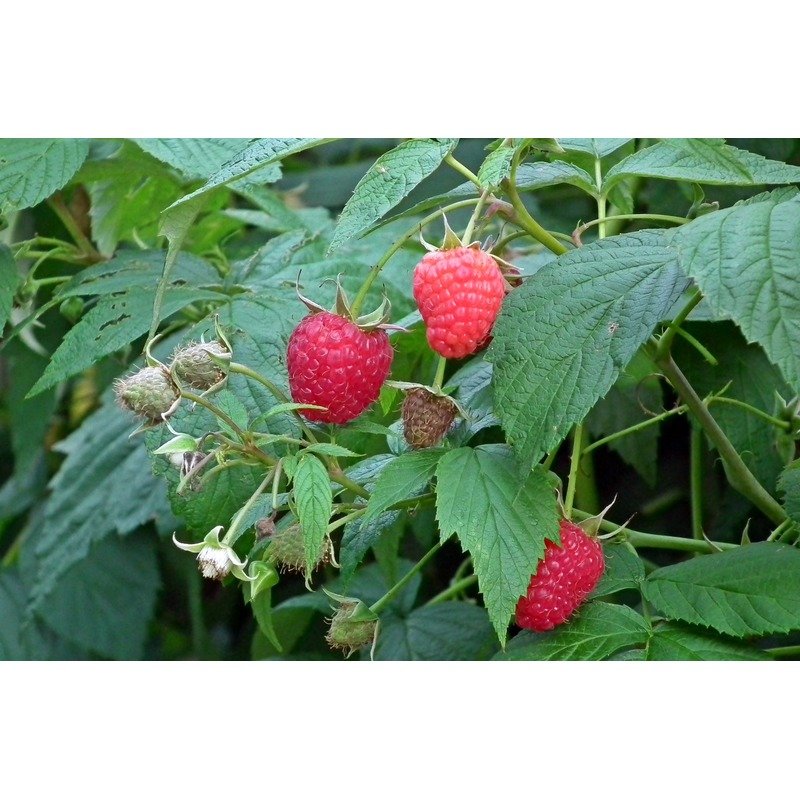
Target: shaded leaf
{"x":674,"y":642}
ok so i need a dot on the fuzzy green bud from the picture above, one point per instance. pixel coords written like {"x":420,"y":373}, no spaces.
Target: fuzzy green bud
{"x":349,"y":631}
{"x":200,"y":366}
{"x":150,"y":393}
{"x":287,"y":550}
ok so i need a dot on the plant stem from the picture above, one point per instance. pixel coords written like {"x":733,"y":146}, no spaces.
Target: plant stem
{"x":525,"y":221}
{"x":201,"y":401}
{"x":453,"y":590}
{"x":439,"y":377}
{"x":698,"y":345}
{"x":658,"y":541}
{"x":233,"y":532}
{"x":665,"y":342}
{"x":453,"y":162}
{"x":739,"y":476}
{"x":696,"y":480}
{"x":276,"y":392}
{"x":342,"y":479}
{"x":601,"y":200}
{"x":581,"y":229}
{"x":634,"y":428}
{"x":574,"y":464}
{"x":56,"y":202}
{"x":474,"y":218}
{"x":194,"y":591}
{"x":355,"y":307}
{"x":778,"y":423}
{"x":780,"y":652}
{"x":378,"y":606}
{"x":344,"y":520}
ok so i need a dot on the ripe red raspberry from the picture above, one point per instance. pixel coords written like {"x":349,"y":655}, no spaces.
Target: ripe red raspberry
{"x":459,"y":293}
{"x":564,"y":578}
{"x":333,"y":363}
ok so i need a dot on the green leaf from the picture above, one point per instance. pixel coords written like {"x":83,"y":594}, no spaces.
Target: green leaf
{"x":599,"y":148}
{"x":745,"y":260}
{"x":624,"y":570}
{"x":104,"y":486}
{"x":749,"y":377}
{"x":707,"y":161}
{"x":314,"y":500}
{"x":139,"y":268}
{"x":552,"y":173}
{"x":387,"y":182}
{"x":9,"y":281}
{"x":789,"y":486}
{"x":597,"y":631}
{"x":112,"y":324}
{"x":359,"y":535}
{"x":257,"y":155}
{"x":195,"y":159}
{"x":227,"y":402}
{"x":21,"y":638}
{"x":749,"y":591}
{"x":636,"y":392}
{"x":128,"y":192}
{"x":404,"y":477}
{"x":502,"y":517}
{"x":674,"y":642}
{"x":32,"y":169}
{"x":105,"y":601}
{"x":329,"y":449}
{"x":442,"y":632}
{"x":496,"y":166}
{"x":562,"y":337}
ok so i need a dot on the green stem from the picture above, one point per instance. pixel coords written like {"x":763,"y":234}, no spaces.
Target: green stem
{"x":233,"y":532}
{"x":453,"y":590}
{"x":778,"y":423}
{"x":474,"y":218}
{"x":194,"y":590}
{"x":665,"y":342}
{"x":698,"y":345}
{"x":439,"y":377}
{"x":56,"y":202}
{"x":378,"y":606}
{"x":525,"y":221}
{"x":787,"y":524}
{"x":453,"y":162}
{"x":275,"y":390}
{"x":601,"y":199}
{"x":342,"y":479}
{"x":355,"y":307}
{"x":696,"y":480}
{"x":201,"y":401}
{"x":574,"y":464}
{"x":342,"y":521}
{"x":581,"y":229}
{"x":658,"y":541}
{"x":780,"y":652}
{"x":634,"y":428}
{"x":739,"y":476}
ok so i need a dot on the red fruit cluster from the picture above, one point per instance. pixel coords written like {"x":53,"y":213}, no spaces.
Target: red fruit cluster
{"x":459,"y":293}
{"x":563,"y":580}
{"x":335,"y":364}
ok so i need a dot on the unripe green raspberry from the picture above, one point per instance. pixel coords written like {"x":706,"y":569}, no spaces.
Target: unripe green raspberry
{"x":194,"y":366}
{"x":149,"y":393}
{"x":348,"y":634}
{"x":286,"y":550}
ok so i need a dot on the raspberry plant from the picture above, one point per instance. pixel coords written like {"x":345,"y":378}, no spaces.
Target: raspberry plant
{"x":522,"y":399}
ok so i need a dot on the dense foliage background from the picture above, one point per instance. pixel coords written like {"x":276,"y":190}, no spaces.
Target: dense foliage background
{"x":87,"y":512}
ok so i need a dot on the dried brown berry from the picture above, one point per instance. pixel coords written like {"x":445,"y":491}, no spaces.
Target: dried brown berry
{"x":426,"y":417}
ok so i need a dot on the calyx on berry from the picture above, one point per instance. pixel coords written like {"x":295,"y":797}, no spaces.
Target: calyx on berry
{"x":353,"y":626}
{"x":375,"y":320}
